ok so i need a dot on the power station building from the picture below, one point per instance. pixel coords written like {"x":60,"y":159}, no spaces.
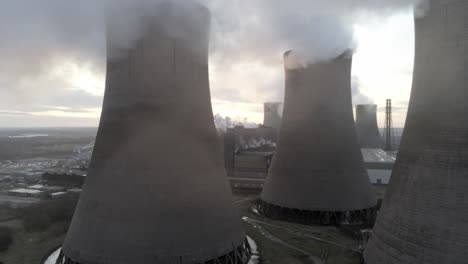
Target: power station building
{"x":317,"y":174}
{"x":272,"y":114}
{"x":156,"y":190}
{"x":424,"y":216}
{"x":367,"y":127}
{"x":248,"y":153}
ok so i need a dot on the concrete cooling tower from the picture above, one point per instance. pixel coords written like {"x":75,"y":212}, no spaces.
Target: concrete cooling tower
{"x":317,"y":175}
{"x":367,"y":128}
{"x":424,"y":216}
{"x":272,"y":115}
{"x":156,"y":190}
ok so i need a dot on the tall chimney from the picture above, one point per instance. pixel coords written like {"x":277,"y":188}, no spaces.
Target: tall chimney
{"x":424,"y":216}
{"x":318,"y":175}
{"x":272,"y":115}
{"x":157,"y":191}
{"x":367,"y":128}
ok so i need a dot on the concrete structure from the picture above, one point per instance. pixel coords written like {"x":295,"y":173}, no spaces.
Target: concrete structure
{"x":248,"y":153}
{"x":367,"y":127}
{"x":156,"y":190}
{"x":64,"y":179}
{"x":229,"y":147}
{"x":424,"y":216}
{"x":379,"y":165}
{"x":272,"y":114}
{"x":255,"y":139}
{"x":317,"y":174}
{"x":57,"y":195}
{"x":22,"y":192}
{"x":377,"y":159}
{"x":249,"y":169}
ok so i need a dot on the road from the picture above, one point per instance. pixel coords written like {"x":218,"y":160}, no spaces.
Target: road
{"x":275,"y":239}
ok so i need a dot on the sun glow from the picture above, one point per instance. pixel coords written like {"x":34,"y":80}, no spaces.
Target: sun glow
{"x":81,"y":76}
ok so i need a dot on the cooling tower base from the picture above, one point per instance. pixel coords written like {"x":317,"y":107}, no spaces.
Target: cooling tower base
{"x":365,"y":217}
{"x":241,"y":255}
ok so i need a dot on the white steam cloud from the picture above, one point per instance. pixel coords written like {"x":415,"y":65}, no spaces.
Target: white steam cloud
{"x":39,"y":37}
{"x":315,"y":30}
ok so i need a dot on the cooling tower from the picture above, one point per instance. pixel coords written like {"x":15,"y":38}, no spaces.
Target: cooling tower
{"x":156,"y":190}
{"x":272,"y":115}
{"x":424,"y":216}
{"x":229,"y":150}
{"x":317,"y":174}
{"x":367,"y":128}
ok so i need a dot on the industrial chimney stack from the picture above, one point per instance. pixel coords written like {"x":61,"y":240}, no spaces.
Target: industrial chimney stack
{"x":317,"y":174}
{"x":156,"y":190}
{"x":367,"y":127}
{"x":424,"y":216}
{"x":272,"y":115}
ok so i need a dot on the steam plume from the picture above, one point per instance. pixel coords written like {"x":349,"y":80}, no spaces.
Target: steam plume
{"x":39,"y":37}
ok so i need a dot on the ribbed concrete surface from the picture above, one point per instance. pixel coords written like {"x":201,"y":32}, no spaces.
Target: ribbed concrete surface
{"x":271,"y":114}
{"x":157,"y":191}
{"x":367,"y":127}
{"x":424,"y":218}
{"x":318,"y":165}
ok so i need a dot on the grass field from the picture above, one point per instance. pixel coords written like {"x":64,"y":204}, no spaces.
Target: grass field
{"x":278,"y":242}
{"x":282,"y":242}
{"x":30,"y":248}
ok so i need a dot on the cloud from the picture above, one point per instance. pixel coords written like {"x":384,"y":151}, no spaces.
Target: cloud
{"x":358,"y":96}
{"x":248,"y":40}
{"x":263,"y":30}
{"x":13,"y":113}
{"x":50,"y":99}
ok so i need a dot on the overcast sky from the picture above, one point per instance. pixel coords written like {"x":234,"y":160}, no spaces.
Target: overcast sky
{"x":53,"y":54}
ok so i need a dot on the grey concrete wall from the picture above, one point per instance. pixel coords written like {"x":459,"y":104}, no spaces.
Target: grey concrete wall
{"x":271,"y":114}
{"x":424,"y":213}
{"x":318,"y":164}
{"x":229,"y":150}
{"x":367,"y":127}
{"x":157,"y":191}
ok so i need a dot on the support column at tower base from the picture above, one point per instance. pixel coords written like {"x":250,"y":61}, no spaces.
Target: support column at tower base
{"x":365,"y":217}
{"x":240,"y":255}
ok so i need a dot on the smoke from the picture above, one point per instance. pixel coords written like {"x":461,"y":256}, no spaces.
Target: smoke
{"x":358,"y":96}
{"x":223,"y":123}
{"x":39,"y":38}
{"x":280,"y":110}
{"x":44,"y":31}
{"x":316,"y":30}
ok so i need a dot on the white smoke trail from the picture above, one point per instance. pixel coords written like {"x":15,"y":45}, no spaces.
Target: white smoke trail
{"x":38,"y":36}
{"x":315,"y":29}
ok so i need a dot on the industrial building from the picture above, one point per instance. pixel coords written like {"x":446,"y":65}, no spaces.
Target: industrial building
{"x":23,"y":192}
{"x":317,"y":174}
{"x":156,"y":190}
{"x":379,"y":165}
{"x":272,"y":114}
{"x":248,"y":153}
{"x":424,"y":215}
{"x":367,"y":127}
{"x":64,"y":179}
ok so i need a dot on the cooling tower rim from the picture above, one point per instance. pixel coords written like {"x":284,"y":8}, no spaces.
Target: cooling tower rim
{"x":322,"y":217}
{"x":341,"y":210}
{"x":190,"y":4}
{"x":287,"y":53}
{"x":272,"y":103}
{"x":366,"y":107}
{"x":346,"y":55}
{"x":242,"y":252}
{"x":169,"y":6}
